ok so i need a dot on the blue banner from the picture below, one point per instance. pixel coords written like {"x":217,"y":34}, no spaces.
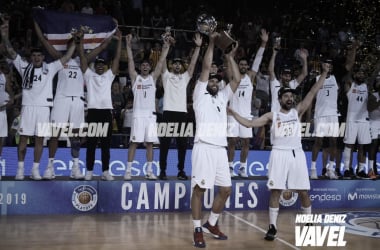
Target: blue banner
{"x":72,"y":197}
{"x":256,"y":163}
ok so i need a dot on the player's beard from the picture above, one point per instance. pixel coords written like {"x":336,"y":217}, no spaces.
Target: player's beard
{"x":287,"y":106}
{"x":212,"y":91}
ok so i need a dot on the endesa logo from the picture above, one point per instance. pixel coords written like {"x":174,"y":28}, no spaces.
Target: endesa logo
{"x":325,"y":197}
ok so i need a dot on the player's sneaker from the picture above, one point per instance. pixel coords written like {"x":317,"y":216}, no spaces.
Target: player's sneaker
{"x":150,"y":176}
{"x":242,"y":173}
{"x":214,"y":230}
{"x":362,"y":175}
{"x":331,"y":174}
{"x":324,"y":170}
{"x":232,"y":172}
{"x":162,"y":175}
{"x":182,"y":175}
{"x":313,"y":174}
{"x":88,"y":176}
{"x":271,"y":233}
{"x":20,"y":174}
{"x":198,"y":238}
{"x":338,"y":173}
{"x":35,"y":174}
{"x":76,"y":173}
{"x":127,"y":176}
{"x":49,"y":173}
{"x":372,"y":175}
{"x":106,"y":176}
{"x":347,"y":175}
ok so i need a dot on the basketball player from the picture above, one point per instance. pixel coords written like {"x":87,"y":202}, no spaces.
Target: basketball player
{"x":144,"y":129}
{"x":241,"y":103}
{"x":99,"y":104}
{"x":374,"y":120}
{"x":68,"y":106}
{"x":37,"y":98}
{"x":357,"y":122}
{"x":175,"y":85}
{"x":326,"y":123}
{"x":287,"y":168}
{"x":209,"y":156}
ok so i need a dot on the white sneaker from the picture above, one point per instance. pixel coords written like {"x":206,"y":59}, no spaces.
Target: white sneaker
{"x":242,"y":173}
{"x":49,"y":173}
{"x":20,"y":174}
{"x":232,"y":172}
{"x":106,"y":176}
{"x":330,"y":173}
{"x":35,"y":174}
{"x":88,"y":176}
{"x":127,"y":176}
{"x":150,"y":176}
{"x":313,"y":174}
{"x":76,"y":173}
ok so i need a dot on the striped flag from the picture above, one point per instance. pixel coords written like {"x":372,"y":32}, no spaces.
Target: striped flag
{"x":58,"y":26}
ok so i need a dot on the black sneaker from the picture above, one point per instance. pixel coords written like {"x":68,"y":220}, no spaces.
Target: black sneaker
{"x":338,"y":173}
{"x":198,"y":238}
{"x":362,"y":175}
{"x":162,"y":175}
{"x":272,"y":233}
{"x":182,"y":175}
{"x":324,"y":170}
{"x":347,"y":175}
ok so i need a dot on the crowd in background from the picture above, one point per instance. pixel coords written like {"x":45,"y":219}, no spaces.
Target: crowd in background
{"x":323,"y":28}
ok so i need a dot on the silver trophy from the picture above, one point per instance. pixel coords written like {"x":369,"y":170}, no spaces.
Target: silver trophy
{"x":207,"y":24}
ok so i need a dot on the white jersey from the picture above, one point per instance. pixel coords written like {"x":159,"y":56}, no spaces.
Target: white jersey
{"x":327,"y":96}
{"x":375,"y":114}
{"x":242,"y":98}
{"x":4,"y":97}
{"x":262,"y":82}
{"x":357,"y":103}
{"x":41,"y":93}
{"x":286,"y":130}
{"x":70,"y":79}
{"x":144,"y":96}
{"x":99,"y":89}
{"x":211,"y":114}
{"x":275,"y":86}
{"x":175,"y":87}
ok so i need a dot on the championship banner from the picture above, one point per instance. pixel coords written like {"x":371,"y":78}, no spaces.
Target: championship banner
{"x":57,"y":26}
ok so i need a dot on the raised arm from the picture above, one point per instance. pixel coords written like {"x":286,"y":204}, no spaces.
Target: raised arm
{"x":198,"y":43}
{"x":55,"y":54}
{"x":306,"y":102}
{"x":232,"y":65}
{"x":131,"y":63}
{"x":271,"y":72}
{"x":78,"y":38}
{"x":162,"y":60}
{"x":207,"y":58}
{"x":259,"y":55}
{"x":93,"y":53}
{"x":69,"y":53}
{"x":303,"y":74}
{"x":258,"y":122}
{"x":5,"y":39}
{"x":116,"y":58}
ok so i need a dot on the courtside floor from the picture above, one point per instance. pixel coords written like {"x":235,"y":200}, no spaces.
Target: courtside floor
{"x":172,"y":231}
